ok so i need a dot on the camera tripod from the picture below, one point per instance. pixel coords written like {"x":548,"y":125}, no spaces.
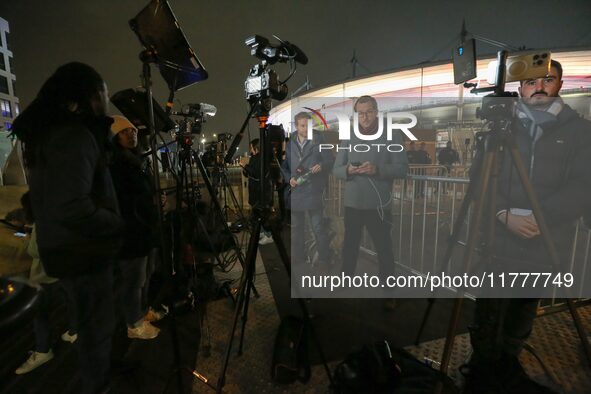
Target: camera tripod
{"x":262,"y":216}
{"x":497,"y":140}
{"x":224,"y":189}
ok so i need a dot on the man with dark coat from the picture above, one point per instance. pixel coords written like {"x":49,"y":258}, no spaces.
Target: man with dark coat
{"x":65,"y":136}
{"x":448,"y":156}
{"x":252,"y":171}
{"x":306,"y":170}
{"x":555,"y":145}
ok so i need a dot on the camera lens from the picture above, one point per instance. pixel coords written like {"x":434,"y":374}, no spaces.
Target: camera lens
{"x":536,"y":57}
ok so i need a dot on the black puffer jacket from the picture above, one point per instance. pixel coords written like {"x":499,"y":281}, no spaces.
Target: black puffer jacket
{"x":73,"y":199}
{"x":559,"y":163}
{"x":133,"y":184}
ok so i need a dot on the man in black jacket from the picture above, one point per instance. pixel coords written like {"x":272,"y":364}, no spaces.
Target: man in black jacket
{"x":555,"y":145}
{"x":65,"y":134}
{"x":253,"y":172}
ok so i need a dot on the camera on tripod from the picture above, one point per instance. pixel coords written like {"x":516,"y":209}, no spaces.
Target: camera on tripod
{"x":263,"y":82}
{"x":194,"y":115}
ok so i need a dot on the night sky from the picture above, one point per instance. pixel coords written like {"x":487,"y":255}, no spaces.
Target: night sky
{"x":385,"y":35}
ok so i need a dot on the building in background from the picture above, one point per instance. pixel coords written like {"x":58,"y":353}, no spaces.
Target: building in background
{"x":8,"y":100}
{"x":9,"y":108}
{"x":428,"y":91}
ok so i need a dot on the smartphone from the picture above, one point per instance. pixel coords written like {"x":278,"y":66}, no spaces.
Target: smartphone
{"x":355,"y":163}
{"x":531,"y":65}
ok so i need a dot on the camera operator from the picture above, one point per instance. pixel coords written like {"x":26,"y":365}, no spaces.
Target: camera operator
{"x":552,"y":133}
{"x":253,"y":172}
{"x":368,"y":180}
{"x":306,"y":169}
{"x":133,"y":184}
{"x":65,"y":136}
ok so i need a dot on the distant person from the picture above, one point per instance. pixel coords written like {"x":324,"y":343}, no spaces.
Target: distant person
{"x":447,"y":157}
{"x":411,"y":153}
{"x":422,"y":158}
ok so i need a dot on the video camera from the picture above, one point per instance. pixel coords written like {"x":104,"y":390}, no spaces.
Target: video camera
{"x":263,"y":82}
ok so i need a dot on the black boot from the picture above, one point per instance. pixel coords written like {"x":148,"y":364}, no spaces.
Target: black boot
{"x":515,"y":380}
{"x":480,"y":379}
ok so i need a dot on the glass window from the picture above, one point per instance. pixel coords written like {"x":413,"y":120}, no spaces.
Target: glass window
{"x":11,"y":64}
{"x":4,"y":85}
{"x":2,"y":62}
{"x":5,"y":108}
{"x":6,"y":40}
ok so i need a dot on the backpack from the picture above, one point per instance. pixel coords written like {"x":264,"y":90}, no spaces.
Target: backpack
{"x":379,"y":368}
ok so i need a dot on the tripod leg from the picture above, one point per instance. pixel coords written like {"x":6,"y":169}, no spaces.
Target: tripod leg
{"x":246,"y":303}
{"x":451,"y":244}
{"x":485,"y":171}
{"x":244,"y":280}
{"x":218,"y":207}
{"x":430,"y":303}
{"x":545,"y":233}
{"x":305,"y":314}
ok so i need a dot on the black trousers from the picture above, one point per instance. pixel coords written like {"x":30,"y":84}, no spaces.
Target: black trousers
{"x":501,"y":326}
{"x":379,"y":231}
{"x":93,"y":295}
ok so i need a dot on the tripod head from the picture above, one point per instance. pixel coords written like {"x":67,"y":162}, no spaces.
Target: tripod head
{"x":263,"y":85}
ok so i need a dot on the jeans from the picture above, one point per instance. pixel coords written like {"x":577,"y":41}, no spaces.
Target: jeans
{"x":93,"y":295}
{"x":298,"y":226}
{"x":153,"y":258}
{"x":379,"y":231}
{"x":133,"y":279}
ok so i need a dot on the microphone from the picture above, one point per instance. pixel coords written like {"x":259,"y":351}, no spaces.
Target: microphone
{"x":201,"y":109}
{"x":208,"y":109}
{"x":298,"y":55}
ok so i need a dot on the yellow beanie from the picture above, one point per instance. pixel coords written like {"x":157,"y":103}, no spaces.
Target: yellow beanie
{"x":121,"y":123}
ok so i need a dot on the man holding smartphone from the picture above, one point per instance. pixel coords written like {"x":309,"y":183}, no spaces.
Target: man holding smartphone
{"x":368,"y":177}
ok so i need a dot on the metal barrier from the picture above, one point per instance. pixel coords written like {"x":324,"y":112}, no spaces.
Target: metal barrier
{"x":423,"y":211}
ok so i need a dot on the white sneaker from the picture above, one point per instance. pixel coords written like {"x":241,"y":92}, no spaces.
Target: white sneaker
{"x":144,"y":331}
{"x":35,"y":360}
{"x":66,"y":337}
{"x":265,"y":240}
